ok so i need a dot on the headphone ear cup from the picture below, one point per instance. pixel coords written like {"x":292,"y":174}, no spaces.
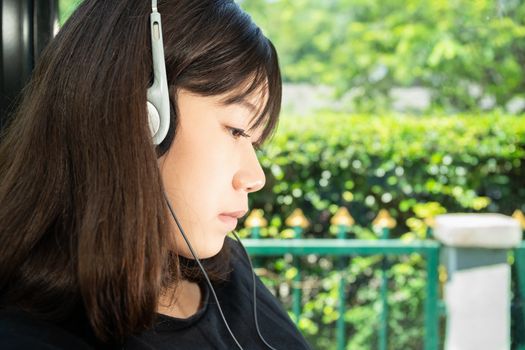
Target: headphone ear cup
{"x":153,"y":119}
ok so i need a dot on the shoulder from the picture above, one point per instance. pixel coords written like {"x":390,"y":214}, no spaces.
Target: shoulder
{"x":271,"y":314}
{"x":20,"y":330}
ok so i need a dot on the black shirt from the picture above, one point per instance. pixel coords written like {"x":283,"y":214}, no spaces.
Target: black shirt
{"x":203,"y":330}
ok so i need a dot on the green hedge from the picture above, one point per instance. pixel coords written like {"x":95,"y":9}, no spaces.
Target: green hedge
{"x":464,"y":162}
{"x":414,"y":167}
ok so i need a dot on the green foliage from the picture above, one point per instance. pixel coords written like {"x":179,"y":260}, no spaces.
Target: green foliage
{"x":416,"y":168}
{"x":66,"y":8}
{"x":466,"y":163}
{"x":464,"y":51}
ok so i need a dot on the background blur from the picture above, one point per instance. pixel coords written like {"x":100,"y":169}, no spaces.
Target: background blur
{"x":413,"y":106}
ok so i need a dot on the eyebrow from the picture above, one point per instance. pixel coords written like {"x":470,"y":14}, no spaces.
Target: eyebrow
{"x":241,"y":100}
{"x":248,"y":105}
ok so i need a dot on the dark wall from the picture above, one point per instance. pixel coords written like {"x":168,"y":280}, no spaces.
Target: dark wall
{"x":27,"y":27}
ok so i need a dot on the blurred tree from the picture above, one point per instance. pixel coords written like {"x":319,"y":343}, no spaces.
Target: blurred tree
{"x":470,"y":54}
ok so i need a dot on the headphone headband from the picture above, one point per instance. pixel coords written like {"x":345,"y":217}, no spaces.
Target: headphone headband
{"x":158,"y":96}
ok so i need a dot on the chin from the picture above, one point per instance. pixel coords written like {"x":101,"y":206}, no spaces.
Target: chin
{"x":204,"y":251}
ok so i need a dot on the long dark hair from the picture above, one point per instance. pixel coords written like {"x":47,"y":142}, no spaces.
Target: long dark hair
{"x":83,"y":220}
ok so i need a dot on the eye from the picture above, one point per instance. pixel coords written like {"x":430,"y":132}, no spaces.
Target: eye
{"x":236,"y":133}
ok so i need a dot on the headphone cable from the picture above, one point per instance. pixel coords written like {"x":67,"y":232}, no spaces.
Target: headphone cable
{"x":211,"y":286}
{"x":202,"y":269}
{"x":254,"y":293}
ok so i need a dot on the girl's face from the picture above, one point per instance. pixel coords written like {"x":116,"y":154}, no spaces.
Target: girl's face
{"x":210,"y":169}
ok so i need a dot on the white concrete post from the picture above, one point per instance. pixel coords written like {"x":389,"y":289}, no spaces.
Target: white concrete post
{"x":477,"y":293}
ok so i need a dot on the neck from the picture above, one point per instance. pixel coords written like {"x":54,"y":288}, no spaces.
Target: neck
{"x":183,"y":302}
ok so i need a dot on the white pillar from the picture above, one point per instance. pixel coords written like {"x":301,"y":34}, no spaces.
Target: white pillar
{"x":477,"y":294}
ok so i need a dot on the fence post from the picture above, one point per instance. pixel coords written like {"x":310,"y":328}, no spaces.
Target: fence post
{"x":519,"y":268}
{"x":477,"y":293}
{"x":436,"y":278}
{"x":343,"y":221}
{"x":431,"y":300}
{"x":384,"y":222}
{"x":254,"y":222}
{"x":298,"y":222}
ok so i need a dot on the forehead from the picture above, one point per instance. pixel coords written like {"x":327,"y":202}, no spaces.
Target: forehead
{"x":253,"y":100}
{"x":250,"y":102}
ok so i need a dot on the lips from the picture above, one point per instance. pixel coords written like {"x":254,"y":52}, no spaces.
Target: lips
{"x":230,"y":219}
{"x":235,"y":214}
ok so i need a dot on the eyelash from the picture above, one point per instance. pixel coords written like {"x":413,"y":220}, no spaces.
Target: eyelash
{"x":236,"y":133}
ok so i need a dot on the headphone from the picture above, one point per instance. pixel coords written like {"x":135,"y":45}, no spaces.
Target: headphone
{"x":159,"y":121}
{"x":158,"y":96}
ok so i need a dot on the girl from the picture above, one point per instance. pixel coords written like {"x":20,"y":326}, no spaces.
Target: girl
{"x":129,"y":160}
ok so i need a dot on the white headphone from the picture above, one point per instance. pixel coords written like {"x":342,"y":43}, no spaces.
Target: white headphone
{"x":158,"y":96}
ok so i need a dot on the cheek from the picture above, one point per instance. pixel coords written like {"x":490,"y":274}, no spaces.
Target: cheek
{"x":199,"y":167}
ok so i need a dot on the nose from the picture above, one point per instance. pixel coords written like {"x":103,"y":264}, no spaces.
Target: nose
{"x":250,"y":176}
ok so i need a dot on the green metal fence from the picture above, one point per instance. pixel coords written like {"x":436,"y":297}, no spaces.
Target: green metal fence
{"x":349,"y":247}
{"x":342,"y":247}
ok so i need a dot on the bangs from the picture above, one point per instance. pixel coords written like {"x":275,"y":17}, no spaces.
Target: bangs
{"x":238,"y":62}
{"x":266,"y":86}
